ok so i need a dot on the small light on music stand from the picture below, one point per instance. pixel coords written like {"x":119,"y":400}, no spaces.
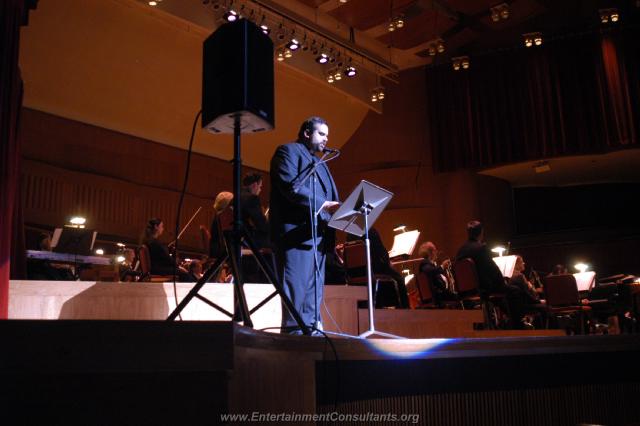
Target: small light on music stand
{"x":499,"y":250}
{"x":99,"y":252}
{"x":120,"y":259}
{"x":400,"y":227}
{"x":77,"y":222}
{"x":581,"y":267}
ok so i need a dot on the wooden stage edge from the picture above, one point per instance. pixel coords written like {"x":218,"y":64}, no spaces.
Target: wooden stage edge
{"x":87,"y":300}
{"x":194,"y":372}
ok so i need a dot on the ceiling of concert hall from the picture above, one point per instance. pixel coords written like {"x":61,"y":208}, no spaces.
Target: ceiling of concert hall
{"x":135,"y":68}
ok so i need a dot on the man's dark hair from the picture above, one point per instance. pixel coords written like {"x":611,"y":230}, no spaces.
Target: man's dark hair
{"x":251,"y":178}
{"x":309,"y":125}
{"x":474,"y":229}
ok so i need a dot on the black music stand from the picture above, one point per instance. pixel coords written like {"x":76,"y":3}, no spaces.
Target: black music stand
{"x":233,"y":240}
{"x":355,"y":216}
{"x":75,"y":241}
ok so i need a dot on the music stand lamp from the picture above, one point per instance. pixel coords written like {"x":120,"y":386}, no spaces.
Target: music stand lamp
{"x":248,"y":121}
{"x":355,"y":216}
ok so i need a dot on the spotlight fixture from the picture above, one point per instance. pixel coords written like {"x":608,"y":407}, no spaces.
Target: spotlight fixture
{"x":499,"y":12}
{"x":396,"y":23}
{"x":263,"y":25}
{"x":532,"y":38}
{"x":288,"y":53}
{"x":153,"y":3}
{"x":230,"y":15}
{"x":280,"y":55}
{"x":293,"y":44}
{"x":350,"y":71}
{"x":436,"y":46}
{"x":609,"y":15}
{"x":330,"y":77}
{"x":322,"y":58}
{"x":99,"y":252}
{"x":460,"y":62}
{"x":337,"y":74}
{"x":377,"y":94}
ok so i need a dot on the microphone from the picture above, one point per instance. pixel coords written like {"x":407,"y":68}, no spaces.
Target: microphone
{"x":331,"y":151}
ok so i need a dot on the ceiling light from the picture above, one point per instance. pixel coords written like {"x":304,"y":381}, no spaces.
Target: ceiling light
{"x":230,"y":15}
{"x":374,"y":96}
{"x":500,"y":11}
{"x":337,"y":75}
{"x":330,"y":77}
{"x":609,"y":15}
{"x":100,"y":251}
{"x":440,"y":47}
{"x":532,"y":38}
{"x":322,"y":58}
{"x":280,"y":55}
{"x":460,"y":62}
{"x":294,"y":44}
{"x":153,"y":3}
{"x":380,"y":93}
{"x":350,"y":71}
{"x":288,"y":53}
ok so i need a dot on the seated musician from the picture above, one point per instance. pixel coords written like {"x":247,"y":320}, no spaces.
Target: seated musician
{"x":161,"y":261}
{"x":46,"y":270}
{"x":128,"y":270}
{"x":489,"y":275}
{"x":435,"y":273}
{"x":217,"y":248}
{"x":381,"y":264}
{"x":522,"y":297}
{"x":253,"y":217}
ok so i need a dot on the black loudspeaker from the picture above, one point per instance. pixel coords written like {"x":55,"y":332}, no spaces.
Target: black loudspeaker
{"x":237,"y":79}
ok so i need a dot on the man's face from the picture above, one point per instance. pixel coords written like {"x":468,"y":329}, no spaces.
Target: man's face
{"x":256,"y":187}
{"x":318,"y":138}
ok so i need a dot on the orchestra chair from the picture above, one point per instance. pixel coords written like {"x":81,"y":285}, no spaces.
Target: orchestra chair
{"x":467,"y":287}
{"x":145,"y":267}
{"x":354,"y":256}
{"x":562,"y":298}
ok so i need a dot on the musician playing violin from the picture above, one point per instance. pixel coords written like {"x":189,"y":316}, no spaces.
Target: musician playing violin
{"x":159,"y":253}
{"x":435,"y":273}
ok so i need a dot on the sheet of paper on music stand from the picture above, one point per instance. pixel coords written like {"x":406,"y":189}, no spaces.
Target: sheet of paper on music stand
{"x":408,"y":278}
{"x":404,"y":243}
{"x":585,"y":280}
{"x":349,"y":218}
{"x":506,"y":264}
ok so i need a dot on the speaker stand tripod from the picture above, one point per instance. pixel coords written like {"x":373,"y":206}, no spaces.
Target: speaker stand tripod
{"x":233,"y":241}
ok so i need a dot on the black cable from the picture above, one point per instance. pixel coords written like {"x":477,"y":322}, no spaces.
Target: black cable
{"x":184,"y":189}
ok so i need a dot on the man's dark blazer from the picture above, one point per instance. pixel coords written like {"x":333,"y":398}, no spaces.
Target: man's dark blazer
{"x":289,"y":214}
{"x":489,"y":274}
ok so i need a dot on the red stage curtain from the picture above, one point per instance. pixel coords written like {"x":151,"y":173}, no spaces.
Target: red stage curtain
{"x":13,"y":14}
{"x":573,"y":96}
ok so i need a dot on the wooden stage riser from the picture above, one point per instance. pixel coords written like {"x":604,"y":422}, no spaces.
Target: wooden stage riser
{"x":155,"y":301}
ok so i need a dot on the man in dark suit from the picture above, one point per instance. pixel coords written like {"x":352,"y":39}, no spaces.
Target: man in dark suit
{"x":489,"y":275}
{"x":301,"y":186}
{"x":252,"y":216}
